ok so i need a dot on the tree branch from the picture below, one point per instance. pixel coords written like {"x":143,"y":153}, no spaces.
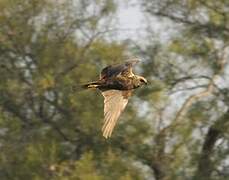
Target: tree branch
{"x":205,"y":165}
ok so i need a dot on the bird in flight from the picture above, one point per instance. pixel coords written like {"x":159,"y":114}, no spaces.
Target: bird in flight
{"x":116,"y":84}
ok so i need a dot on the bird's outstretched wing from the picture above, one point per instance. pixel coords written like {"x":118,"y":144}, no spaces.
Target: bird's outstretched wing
{"x":114,"y":70}
{"x":115,"y":102}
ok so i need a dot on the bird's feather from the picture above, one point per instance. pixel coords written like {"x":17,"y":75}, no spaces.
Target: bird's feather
{"x":114,"y":70}
{"x":115,"y":102}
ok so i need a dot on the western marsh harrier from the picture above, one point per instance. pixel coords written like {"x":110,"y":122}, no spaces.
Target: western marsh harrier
{"x":116,"y":84}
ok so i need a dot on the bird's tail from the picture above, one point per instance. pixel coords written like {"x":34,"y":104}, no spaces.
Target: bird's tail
{"x":90,"y":85}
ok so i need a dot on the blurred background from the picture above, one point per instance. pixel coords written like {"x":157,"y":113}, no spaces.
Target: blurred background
{"x":176,"y":128}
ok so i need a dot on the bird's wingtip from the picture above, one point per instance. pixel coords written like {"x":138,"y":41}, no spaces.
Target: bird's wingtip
{"x":106,"y":136}
{"x":106,"y":132}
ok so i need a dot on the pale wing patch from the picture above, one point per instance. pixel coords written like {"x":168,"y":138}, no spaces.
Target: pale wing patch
{"x":130,"y":72}
{"x":115,"y":102}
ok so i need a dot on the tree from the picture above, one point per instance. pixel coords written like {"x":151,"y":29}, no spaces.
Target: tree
{"x":175,"y":128}
{"x":192,"y":137}
{"x":49,"y":131}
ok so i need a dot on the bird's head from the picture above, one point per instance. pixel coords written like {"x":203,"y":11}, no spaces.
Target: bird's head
{"x":140,"y":81}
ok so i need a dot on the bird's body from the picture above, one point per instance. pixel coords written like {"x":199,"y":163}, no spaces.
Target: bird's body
{"x":116,"y":84}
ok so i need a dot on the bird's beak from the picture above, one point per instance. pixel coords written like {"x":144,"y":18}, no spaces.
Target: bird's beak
{"x":145,"y":81}
{"x":142,"y":79}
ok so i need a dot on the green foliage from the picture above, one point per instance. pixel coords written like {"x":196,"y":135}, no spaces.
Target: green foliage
{"x":187,"y":138}
{"x":109,"y":166}
{"x":48,"y":131}
{"x":82,"y":169}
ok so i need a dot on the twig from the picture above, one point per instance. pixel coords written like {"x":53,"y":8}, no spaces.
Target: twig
{"x":205,"y":93}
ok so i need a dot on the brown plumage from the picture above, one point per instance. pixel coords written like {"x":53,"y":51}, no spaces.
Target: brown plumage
{"x":116,"y":84}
